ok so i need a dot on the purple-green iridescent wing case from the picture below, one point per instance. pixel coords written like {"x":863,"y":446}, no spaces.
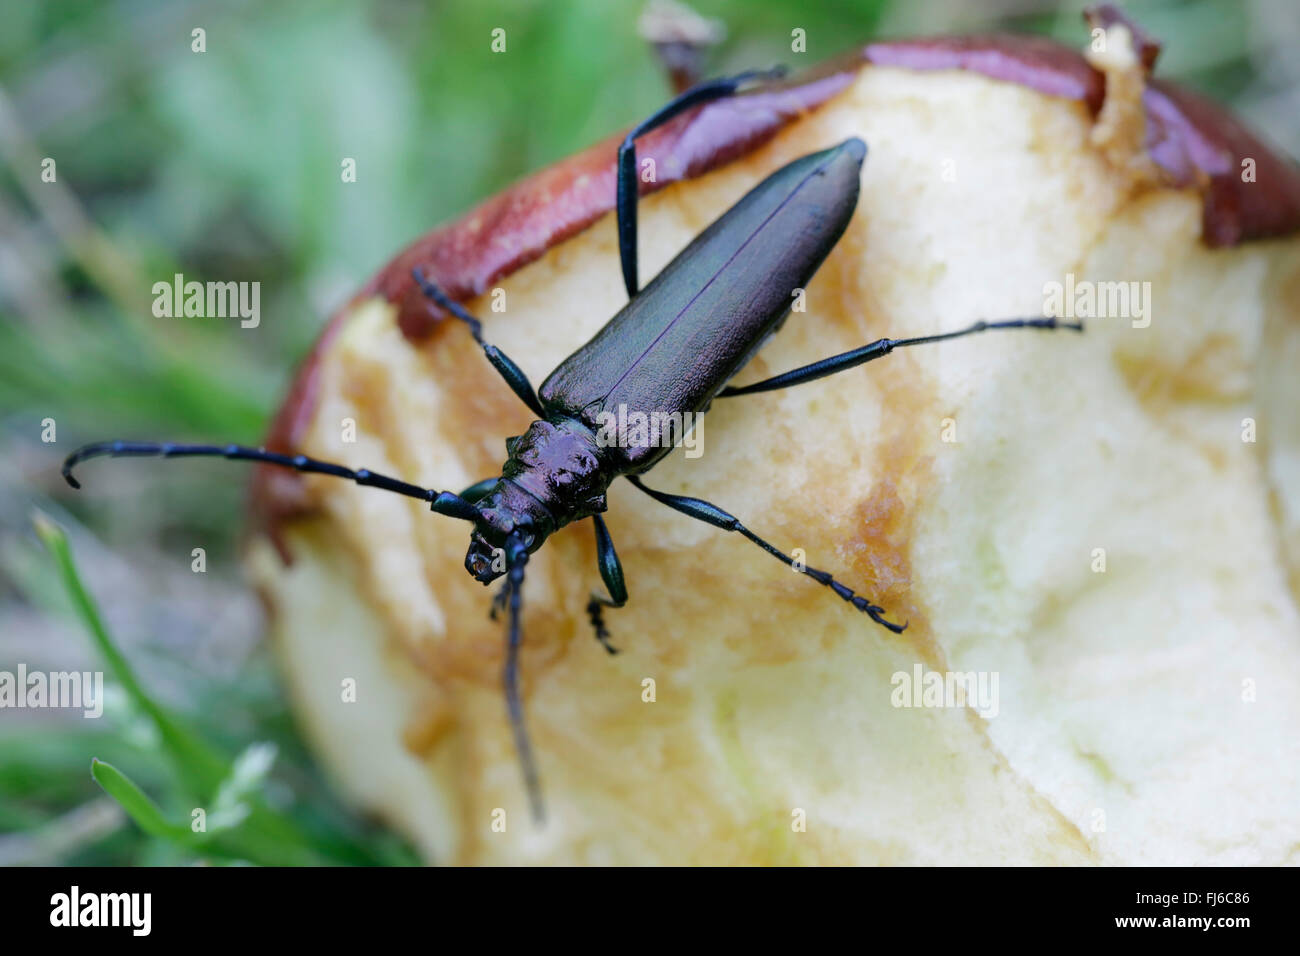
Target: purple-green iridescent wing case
{"x":676,"y":345}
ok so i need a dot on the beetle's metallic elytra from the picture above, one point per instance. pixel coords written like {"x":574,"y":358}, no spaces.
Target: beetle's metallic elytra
{"x":669,"y":352}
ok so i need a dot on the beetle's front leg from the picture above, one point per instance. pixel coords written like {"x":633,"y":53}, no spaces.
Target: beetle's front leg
{"x":628,"y":188}
{"x":611,"y":571}
{"x":508,"y":370}
{"x":499,"y":600}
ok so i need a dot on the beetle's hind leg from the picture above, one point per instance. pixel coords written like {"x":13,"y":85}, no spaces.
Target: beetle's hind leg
{"x":712,"y":514}
{"x":882,"y":347}
{"x":628,"y":188}
{"x":611,"y":572}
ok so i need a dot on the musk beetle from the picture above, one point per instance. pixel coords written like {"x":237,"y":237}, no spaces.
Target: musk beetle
{"x":672,"y":349}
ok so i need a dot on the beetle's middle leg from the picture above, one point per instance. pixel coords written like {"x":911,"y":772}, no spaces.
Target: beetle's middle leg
{"x":628,"y":188}
{"x":508,"y":370}
{"x":611,"y":571}
{"x":712,"y":514}
{"x":879,"y":349}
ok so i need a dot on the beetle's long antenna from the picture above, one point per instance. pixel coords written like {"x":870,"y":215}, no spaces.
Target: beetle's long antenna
{"x":517,"y":558}
{"x":443,"y":502}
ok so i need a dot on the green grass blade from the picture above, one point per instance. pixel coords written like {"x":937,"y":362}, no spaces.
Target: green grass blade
{"x":203,"y":768}
{"x":240,"y":824}
{"x":147,"y":814}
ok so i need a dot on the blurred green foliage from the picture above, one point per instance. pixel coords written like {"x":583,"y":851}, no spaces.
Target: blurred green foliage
{"x":225,"y":165}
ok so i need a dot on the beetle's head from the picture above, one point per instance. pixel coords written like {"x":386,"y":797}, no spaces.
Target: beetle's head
{"x":505,"y":511}
{"x":553,"y":476}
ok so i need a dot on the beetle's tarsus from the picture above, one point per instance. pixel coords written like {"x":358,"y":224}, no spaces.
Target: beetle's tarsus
{"x":877,"y":614}
{"x":595,"y":610}
{"x":873,"y":611}
{"x":499,"y":600}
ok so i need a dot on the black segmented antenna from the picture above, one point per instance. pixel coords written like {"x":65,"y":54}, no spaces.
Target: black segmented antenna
{"x":517,"y":559}
{"x":443,"y":502}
